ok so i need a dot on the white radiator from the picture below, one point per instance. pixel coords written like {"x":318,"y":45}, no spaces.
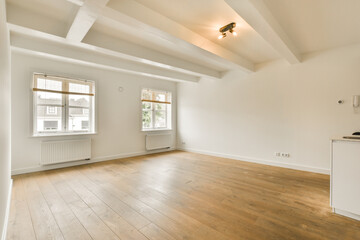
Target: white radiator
{"x":65,"y":151}
{"x":158,"y":141}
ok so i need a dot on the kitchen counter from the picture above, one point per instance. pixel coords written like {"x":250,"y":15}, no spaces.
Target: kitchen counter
{"x":345,"y":177}
{"x":345,"y":139}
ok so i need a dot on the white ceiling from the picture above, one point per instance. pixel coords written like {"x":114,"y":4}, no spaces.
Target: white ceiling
{"x":57,"y":9}
{"x":181,"y":35}
{"x":315,"y":25}
{"x":52,"y":16}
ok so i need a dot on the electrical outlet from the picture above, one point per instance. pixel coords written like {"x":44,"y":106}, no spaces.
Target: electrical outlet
{"x":282,"y":154}
{"x":183,"y":143}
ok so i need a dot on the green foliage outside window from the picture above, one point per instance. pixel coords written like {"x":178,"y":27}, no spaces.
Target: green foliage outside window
{"x":154,"y":114}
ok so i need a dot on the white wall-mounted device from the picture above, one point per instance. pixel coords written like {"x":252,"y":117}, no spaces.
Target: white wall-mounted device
{"x":356,"y":101}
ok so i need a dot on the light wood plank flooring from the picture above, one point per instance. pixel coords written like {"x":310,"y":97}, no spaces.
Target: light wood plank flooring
{"x":175,"y":196}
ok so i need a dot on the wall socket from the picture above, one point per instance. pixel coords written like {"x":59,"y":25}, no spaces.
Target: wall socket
{"x":282,"y":154}
{"x":183,"y":142}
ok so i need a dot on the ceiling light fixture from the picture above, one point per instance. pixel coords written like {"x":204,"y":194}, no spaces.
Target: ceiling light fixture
{"x":222,"y":36}
{"x":230,"y":27}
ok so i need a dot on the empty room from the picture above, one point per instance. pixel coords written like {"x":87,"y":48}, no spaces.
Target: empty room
{"x":179,"y":119}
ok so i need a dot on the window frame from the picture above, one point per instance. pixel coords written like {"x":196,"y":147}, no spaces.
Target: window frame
{"x":168,"y":112}
{"x":65,"y":107}
{"x":67,"y":104}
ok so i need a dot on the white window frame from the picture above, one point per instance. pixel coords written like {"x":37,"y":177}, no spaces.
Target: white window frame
{"x":65,"y":113}
{"x":168,"y":113}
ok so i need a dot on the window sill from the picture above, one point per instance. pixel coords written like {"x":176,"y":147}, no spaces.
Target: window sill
{"x":156,"y":130}
{"x":62,"y":134}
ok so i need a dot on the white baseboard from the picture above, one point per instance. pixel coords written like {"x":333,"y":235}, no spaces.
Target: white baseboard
{"x":346,"y":214}
{"x":261,"y":161}
{"x":134,"y":154}
{"x":7,"y":212}
{"x":92,"y":160}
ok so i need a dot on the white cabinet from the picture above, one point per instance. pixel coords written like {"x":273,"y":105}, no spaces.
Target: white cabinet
{"x":345,"y":177}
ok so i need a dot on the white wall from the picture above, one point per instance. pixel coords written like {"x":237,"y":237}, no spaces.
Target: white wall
{"x":279,"y":108}
{"x":118,"y":113}
{"x":4,"y":117}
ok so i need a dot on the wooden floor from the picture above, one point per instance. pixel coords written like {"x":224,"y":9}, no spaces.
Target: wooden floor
{"x":175,"y":196}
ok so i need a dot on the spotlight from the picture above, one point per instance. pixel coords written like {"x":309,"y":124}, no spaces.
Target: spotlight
{"x":222,"y":36}
{"x":226,"y":28}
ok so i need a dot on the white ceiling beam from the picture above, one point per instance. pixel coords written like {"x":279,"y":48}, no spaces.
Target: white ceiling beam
{"x":149,"y":56}
{"x":152,"y":58}
{"x":259,"y":17}
{"x":136,"y":17}
{"x":77,"y":2}
{"x":63,"y":52}
{"x":86,"y":63}
{"x":85,"y":18}
{"x":180,"y":36}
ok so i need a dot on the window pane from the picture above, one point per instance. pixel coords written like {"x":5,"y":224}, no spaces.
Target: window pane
{"x":154,"y":114}
{"x":146,"y":94}
{"x":51,"y":110}
{"x":84,"y":125}
{"x":161,"y":97}
{"x":78,"y":119}
{"x":147,"y":119}
{"x":146,"y":105}
{"x":79,"y":101}
{"x":79,"y":88}
{"x":48,"y":98}
{"x":160,"y":106}
{"x":160,"y":119}
{"x":49,"y":84}
{"x":49,"y":121}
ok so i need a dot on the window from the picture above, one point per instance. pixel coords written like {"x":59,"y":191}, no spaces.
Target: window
{"x":156,"y":109}
{"x":51,"y":110}
{"x":84,"y":125}
{"x":51,"y":125}
{"x":63,"y":105}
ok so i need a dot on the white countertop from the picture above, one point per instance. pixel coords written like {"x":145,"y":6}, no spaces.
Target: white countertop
{"x":345,"y":139}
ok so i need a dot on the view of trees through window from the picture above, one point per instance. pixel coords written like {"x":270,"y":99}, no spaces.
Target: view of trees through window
{"x":156,"y":109}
